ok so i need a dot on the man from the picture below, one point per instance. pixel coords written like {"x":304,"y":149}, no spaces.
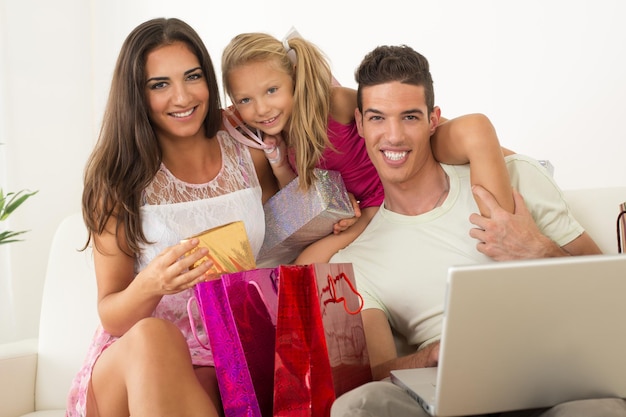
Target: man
{"x":401,"y":259}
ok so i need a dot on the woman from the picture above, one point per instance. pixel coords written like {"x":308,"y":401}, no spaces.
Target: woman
{"x":162,"y":171}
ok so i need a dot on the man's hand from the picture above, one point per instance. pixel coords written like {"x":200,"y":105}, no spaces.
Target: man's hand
{"x":428,"y":357}
{"x":507,"y":236}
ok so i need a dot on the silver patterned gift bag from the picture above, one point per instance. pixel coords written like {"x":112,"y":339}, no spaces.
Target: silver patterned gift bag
{"x":295,"y":218}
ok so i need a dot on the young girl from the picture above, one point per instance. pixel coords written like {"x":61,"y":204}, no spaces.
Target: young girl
{"x":160,"y":172}
{"x":286,"y":90}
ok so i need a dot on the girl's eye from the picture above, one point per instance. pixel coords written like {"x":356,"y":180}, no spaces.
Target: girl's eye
{"x":272,"y":90}
{"x":243,"y":101}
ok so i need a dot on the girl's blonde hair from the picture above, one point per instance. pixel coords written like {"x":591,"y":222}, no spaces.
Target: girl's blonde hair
{"x":312,"y":78}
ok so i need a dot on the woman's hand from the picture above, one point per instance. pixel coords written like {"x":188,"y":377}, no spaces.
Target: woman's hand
{"x":125,"y":298}
{"x":172,"y":271}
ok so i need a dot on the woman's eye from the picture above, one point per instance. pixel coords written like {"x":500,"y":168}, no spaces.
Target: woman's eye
{"x":195,"y":76}
{"x":272,"y":90}
{"x":157,"y":86}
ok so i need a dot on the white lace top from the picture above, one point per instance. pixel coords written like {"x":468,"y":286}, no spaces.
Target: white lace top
{"x":174,"y":210}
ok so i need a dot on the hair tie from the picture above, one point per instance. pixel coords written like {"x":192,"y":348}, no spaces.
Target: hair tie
{"x":291,"y":53}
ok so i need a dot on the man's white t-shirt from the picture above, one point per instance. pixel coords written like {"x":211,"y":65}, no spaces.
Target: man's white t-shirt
{"x":401,"y":262}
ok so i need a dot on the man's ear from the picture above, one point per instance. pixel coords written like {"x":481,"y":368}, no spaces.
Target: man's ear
{"x":358,"y":117}
{"x":435,"y":115}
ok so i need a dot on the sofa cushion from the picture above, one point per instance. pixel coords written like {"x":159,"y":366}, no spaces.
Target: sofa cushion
{"x":597,"y":209}
{"x":68,"y":314}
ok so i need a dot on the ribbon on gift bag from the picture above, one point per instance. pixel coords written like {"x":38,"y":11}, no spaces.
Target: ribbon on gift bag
{"x":320,"y":341}
{"x":238,"y":312}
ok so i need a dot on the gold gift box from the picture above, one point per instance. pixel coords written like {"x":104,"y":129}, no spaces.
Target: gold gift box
{"x":229,"y":249}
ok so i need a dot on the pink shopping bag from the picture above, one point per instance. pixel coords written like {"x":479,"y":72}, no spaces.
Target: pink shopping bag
{"x":239,"y":314}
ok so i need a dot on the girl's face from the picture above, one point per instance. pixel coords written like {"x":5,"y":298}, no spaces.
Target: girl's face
{"x":176,"y":92}
{"x":263,"y":95}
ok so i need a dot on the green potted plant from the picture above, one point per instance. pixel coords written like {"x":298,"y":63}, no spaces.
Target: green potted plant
{"x":8,"y":204}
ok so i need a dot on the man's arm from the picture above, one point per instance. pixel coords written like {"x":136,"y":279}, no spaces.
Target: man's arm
{"x":507,"y":236}
{"x":582,"y":245}
{"x":382,"y":349}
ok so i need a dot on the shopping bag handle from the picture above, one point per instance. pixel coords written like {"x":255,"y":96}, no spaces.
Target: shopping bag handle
{"x":192,"y":322}
{"x":332,"y":289}
{"x":253,"y":140}
{"x":272,"y":312}
{"x":620,"y":232}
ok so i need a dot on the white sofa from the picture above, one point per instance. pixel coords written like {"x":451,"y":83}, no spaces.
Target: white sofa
{"x":597,"y":210}
{"x":35,"y":374}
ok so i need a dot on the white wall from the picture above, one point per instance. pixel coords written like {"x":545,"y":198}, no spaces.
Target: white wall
{"x":549,"y":74}
{"x":48,"y":126}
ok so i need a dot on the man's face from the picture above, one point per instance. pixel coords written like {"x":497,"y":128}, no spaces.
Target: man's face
{"x":397,"y":129}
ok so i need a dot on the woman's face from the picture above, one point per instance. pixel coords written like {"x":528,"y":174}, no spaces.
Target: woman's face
{"x":176,"y":91}
{"x":263,"y":95}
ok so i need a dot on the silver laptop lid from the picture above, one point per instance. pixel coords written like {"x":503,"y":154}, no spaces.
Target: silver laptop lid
{"x":530,"y":334}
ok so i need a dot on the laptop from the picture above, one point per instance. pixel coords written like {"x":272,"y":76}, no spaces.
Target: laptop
{"x":527,"y":334}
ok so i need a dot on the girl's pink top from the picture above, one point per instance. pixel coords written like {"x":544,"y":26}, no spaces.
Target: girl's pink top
{"x":350,"y":158}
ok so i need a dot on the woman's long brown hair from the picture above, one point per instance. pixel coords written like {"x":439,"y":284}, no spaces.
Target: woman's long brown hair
{"x":127,"y":154}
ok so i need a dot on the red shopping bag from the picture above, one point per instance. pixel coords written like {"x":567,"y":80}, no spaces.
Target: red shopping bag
{"x":320,"y":341}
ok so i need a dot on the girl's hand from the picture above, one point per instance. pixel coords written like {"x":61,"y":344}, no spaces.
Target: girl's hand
{"x":172,"y":270}
{"x":344,"y":224}
{"x":278,"y":151}
{"x":277,"y":157}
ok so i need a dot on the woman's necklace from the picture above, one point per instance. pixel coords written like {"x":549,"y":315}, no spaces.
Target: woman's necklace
{"x":443,"y":194}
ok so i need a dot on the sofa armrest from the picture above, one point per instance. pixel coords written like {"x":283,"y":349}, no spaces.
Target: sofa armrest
{"x":18,"y":370}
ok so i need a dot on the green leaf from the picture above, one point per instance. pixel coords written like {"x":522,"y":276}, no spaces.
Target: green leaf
{"x":8,"y":236}
{"x":11,"y":201}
